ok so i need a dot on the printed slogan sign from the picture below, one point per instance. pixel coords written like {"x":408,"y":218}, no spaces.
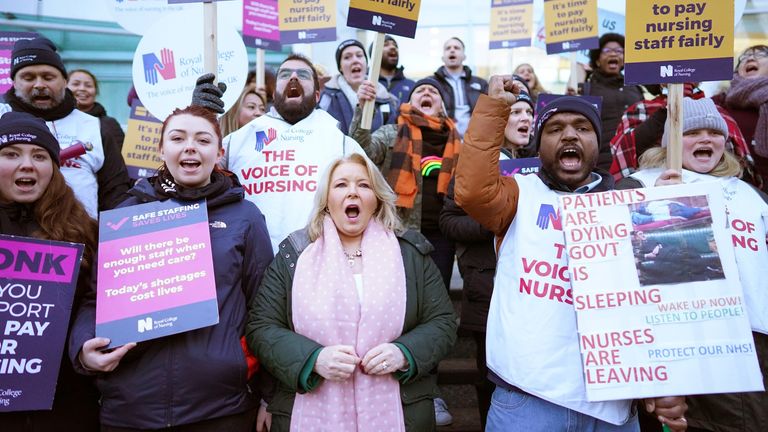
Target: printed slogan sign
{"x":657,"y":294}
{"x":7,"y":39}
{"x":511,"y":23}
{"x":571,"y":25}
{"x":37,"y":285}
{"x":166,"y":64}
{"x":677,"y":41}
{"x":155,"y":275}
{"x":396,"y":17}
{"x":261,"y":24}
{"x":142,"y":140}
{"x":307,"y":21}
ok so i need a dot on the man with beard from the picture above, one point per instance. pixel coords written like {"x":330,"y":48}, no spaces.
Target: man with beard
{"x":457,"y":81}
{"x":280,"y":156}
{"x":98,"y":177}
{"x":391,"y":76}
{"x":532,"y":346}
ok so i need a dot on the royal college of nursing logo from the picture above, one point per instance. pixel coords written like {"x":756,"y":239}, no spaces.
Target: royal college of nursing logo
{"x":263,"y":138}
{"x":548,"y":215}
{"x":165,"y":66}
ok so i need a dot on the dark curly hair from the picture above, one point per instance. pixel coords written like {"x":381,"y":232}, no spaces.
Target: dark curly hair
{"x":594,"y":54}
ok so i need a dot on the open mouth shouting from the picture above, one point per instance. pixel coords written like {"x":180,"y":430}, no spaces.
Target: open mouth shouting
{"x":190,"y":165}
{"x":293,"y":90}
{"x":25,"y":184}
{"x":570,"y":159}
{"x":751,"y":67}
{"x":352,"y":211}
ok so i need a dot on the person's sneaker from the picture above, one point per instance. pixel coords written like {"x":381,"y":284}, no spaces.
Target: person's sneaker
{"x":442,"y":416}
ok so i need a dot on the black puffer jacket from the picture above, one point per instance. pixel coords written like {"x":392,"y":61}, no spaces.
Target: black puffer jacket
{"x":473,"y":87}
{"x":476,"y":258}
{"x":616,"y":99}
{"x":201,"y":374}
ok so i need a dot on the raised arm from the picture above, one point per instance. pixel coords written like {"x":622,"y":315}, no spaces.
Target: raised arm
{"x":481,"y":190}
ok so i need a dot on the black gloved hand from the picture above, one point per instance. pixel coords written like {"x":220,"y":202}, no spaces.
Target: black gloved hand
{"x":208,"y":95}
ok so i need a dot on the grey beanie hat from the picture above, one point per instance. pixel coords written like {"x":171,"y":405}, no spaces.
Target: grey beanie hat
{"x":699,"y":114}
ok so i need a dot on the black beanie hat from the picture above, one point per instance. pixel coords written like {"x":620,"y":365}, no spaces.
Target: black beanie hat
{"x":525,"y":97}
{"x":428,"y":81}
{"x":567,"y":104}
{"x":22,"y":128}
{"x":38,"y":51}
{"x":346,"y":44}
{"x":386,"y":38}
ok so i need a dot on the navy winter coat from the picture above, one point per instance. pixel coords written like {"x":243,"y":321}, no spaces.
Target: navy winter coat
{"x":201,"y":374}
{"x":333,"y":101}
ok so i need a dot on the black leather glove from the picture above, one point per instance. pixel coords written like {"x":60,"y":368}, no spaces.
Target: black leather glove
{"x":208,"y":95}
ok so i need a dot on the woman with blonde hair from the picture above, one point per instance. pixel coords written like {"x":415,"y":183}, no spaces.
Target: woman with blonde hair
{"x":249,"y":105}
{"x":705,"y":159}
{"x":526,"y":72}
{"x":352,"y":315}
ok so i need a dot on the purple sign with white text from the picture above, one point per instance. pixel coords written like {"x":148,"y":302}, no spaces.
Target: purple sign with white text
{"x":37,"y":285}
{"x":155,"y":275}
{"x":261,"y":24}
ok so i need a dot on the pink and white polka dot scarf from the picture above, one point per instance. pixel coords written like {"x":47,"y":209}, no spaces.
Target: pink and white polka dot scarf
{"x":326,"y":309}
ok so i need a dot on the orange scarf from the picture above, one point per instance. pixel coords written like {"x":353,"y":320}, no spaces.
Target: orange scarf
{"x":406,"y":154}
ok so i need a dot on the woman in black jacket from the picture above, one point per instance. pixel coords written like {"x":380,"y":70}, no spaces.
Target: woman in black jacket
{"x":197,"y":380}
{"x":35,"y":201}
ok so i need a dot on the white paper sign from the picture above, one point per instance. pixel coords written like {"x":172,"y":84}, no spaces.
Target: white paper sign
{"x":657,"y":293}
{"x":169,"y":59}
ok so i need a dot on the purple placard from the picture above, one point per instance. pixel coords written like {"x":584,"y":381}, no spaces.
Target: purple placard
{"x":514,"y":43}
{"x":34,"y":312}
{"x":382,"y":23}
{"x":525,"y":166}
{"x":261,"y":24}
{"x":573,"y":45}
{"x":155,"y":266}
{"x":679,"y":71}
{"x":7,"y":39}
{"x":308,"y":36}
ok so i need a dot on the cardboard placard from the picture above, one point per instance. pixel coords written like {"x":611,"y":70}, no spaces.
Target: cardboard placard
{"x":394,"y":17}
{"x":37,"y":285}
{"x":678,"y":41}
{"x":307,"y":22}
{"x":570,"y":25}
{"x":511,"y":24}
{"x":141,"y":147}
{"x":657,"y":294}
{"x":261,"y":24}
{"x":155,"y":275}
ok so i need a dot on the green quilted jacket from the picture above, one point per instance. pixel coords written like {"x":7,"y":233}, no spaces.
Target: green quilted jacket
{"x":429,"y":330}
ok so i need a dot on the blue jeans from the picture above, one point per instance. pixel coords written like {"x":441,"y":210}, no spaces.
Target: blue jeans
{"x":513,"y":411}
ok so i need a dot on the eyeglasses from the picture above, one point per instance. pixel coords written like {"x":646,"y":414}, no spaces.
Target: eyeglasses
{"x":618,"y":51}
{"x":286,"y":73}
{"x":757,"y":54}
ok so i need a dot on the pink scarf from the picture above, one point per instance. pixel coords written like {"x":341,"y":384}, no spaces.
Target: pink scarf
{"x":752,"y":93}
{"x":326,"y":309}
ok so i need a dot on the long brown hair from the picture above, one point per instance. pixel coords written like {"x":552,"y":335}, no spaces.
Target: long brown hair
{"x":62,"y":217}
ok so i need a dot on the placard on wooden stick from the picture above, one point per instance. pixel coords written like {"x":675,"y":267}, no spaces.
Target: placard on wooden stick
{"x":399,"y":19}
{"x":674,"y":42}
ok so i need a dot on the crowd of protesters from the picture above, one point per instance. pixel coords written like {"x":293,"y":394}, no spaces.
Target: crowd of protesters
{"x":341,"y":290}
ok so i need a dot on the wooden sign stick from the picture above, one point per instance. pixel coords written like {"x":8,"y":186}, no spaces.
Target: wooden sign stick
{"x":210,"y":50}
{"x":378,"y":47}
{"x":260,"y":66}
{"x":675,"y":124}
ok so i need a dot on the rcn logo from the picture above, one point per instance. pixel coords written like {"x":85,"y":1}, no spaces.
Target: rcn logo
{"x":153,"y":65}
{"x":263,"y":138}
{"x":548,"y":216}
{"x":376,"y":20}
{"x":144,"y":324}
{"x":665,"y":71}
{"x":302,"y":35}
{"x":566,"y":45}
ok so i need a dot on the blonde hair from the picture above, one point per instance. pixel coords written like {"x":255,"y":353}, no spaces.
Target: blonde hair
{"x":229,"y":122}
{"x":386,"y":211}
{"x":656,"y":157}
{"x":537,"y":88}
